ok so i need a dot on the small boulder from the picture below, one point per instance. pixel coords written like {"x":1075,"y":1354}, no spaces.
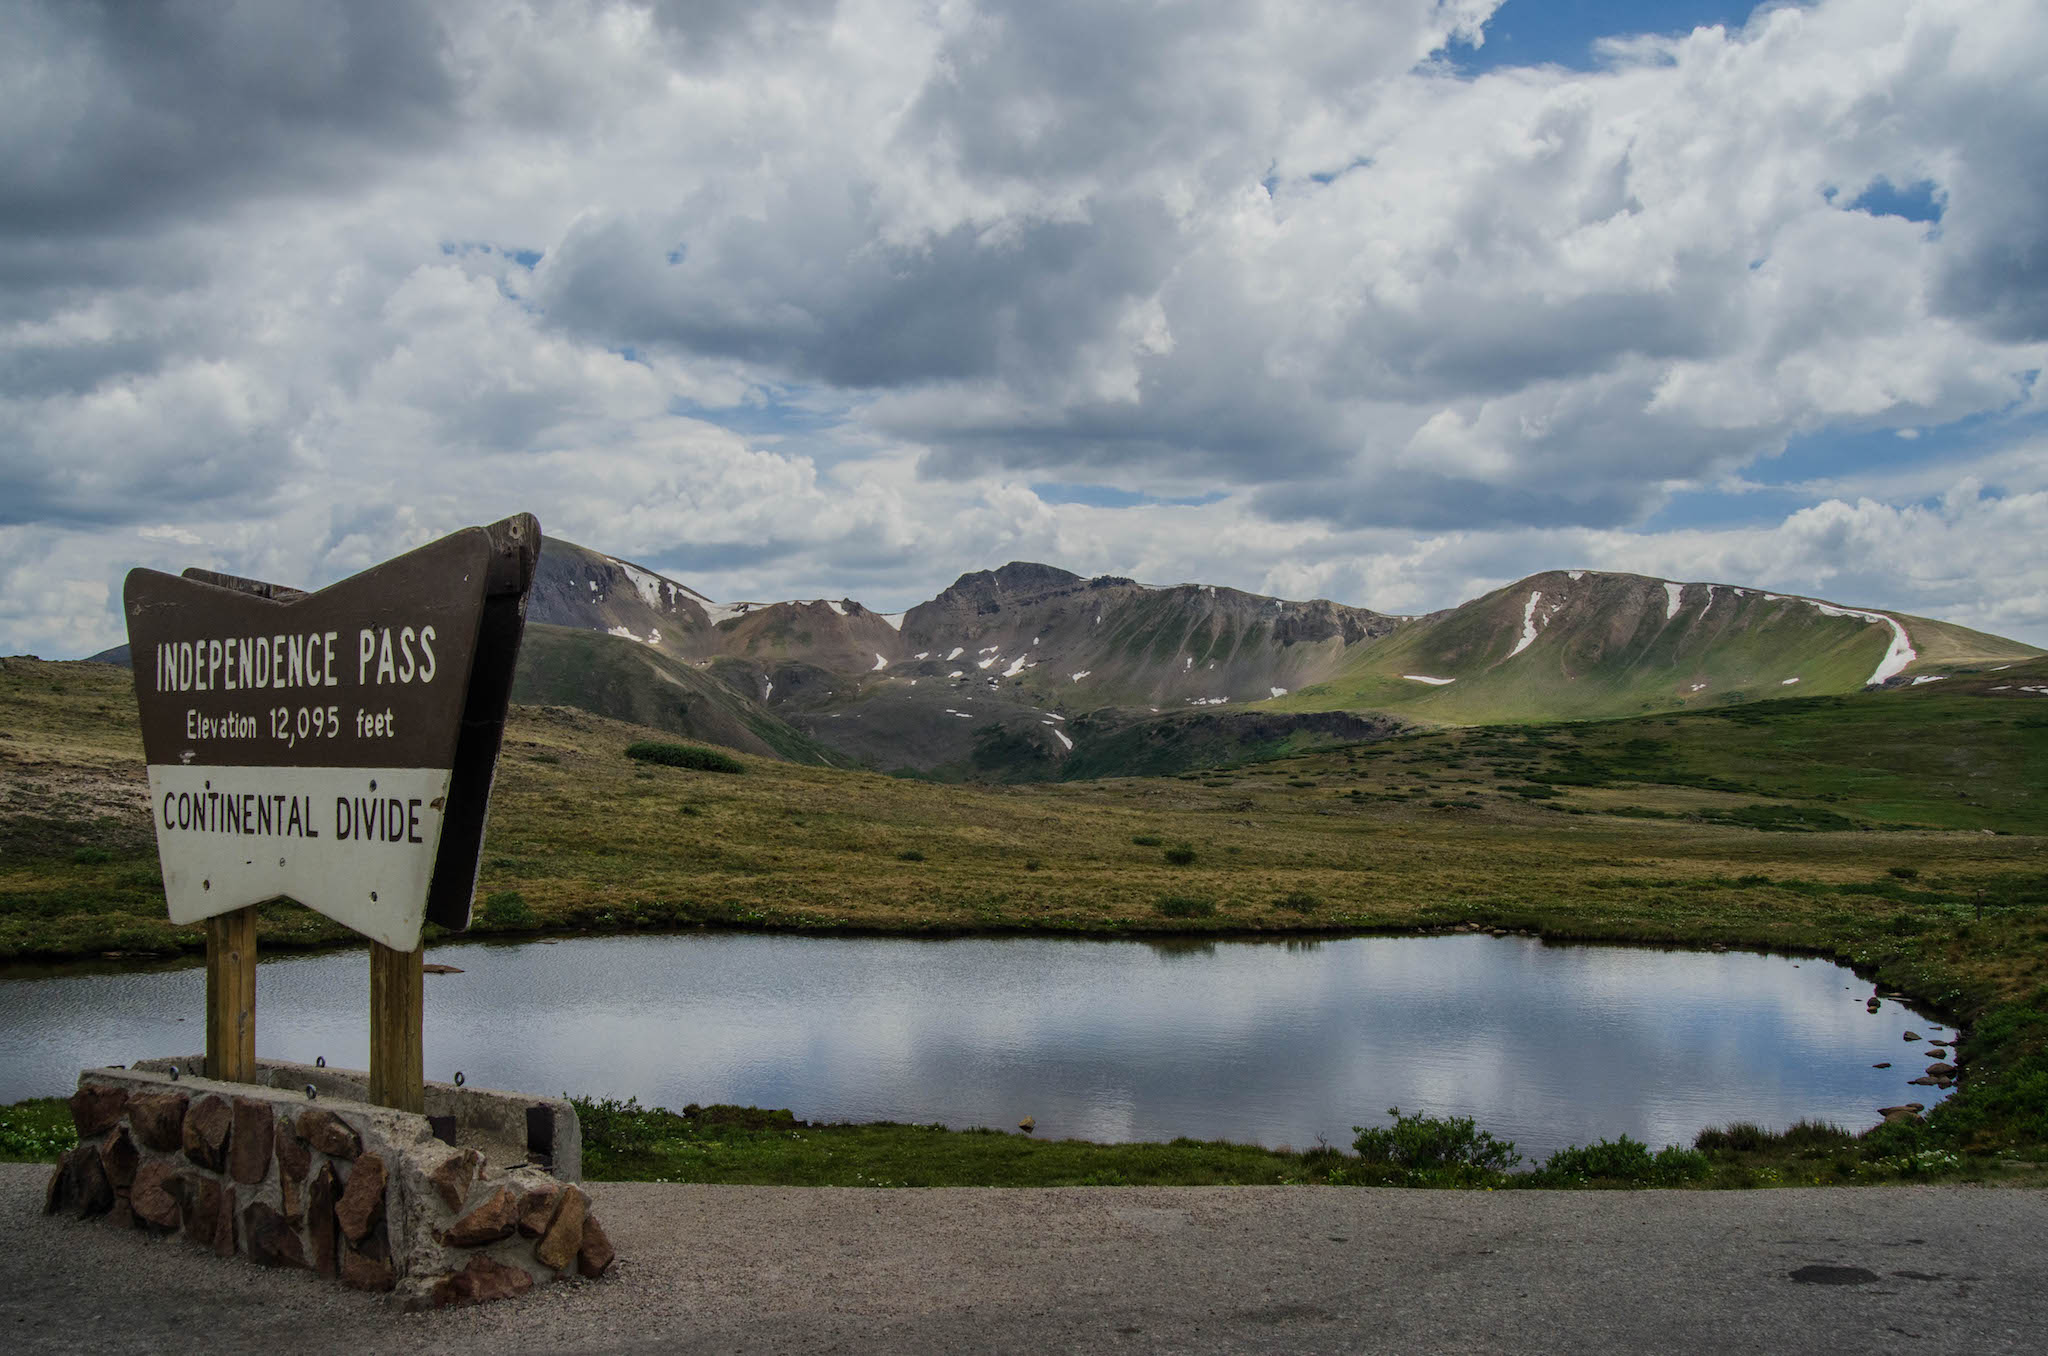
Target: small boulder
{"x":495,"y":1219}
{"x":224,"y":1225}
{"x":321,"y":1194}
{"x":1921,"y":1082}
{"x":451,"y":1177}
{"x":294,"y":1160}
{"x":273,"y":1241}
{"x":483,"y":1280}
{"x":97,"y":1108}
{"x":362,"y":1201}
{"x":1939,"y":1069}
{"x":537,"y":1211}
{"x":328,"y":1133}
{"x":79,"y":1182}
{"x":158,"y":1119}
{"x":199,"y":1200}
{"x":1910,"y":1036}
{"x":150,"y":1197}
{"x":1886,"y":1065}
{"x":250,"y":1146}
{"x":595,"y":1256}
{"x":564,"y":1239}
{"x":120,"y":1157}
{"x":368,"y":1266}
{"x":207,"y":1126}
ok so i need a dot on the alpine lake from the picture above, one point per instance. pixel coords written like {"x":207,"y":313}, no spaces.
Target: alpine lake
{"x":1271,"y":1042}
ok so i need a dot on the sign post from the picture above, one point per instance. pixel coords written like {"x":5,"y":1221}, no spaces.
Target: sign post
{"x":336,"y":748}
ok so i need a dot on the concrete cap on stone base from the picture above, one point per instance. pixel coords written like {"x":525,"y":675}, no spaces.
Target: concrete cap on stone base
{"x":508,"y":1127}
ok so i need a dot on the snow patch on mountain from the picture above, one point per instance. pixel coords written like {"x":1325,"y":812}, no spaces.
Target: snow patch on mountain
{"x":1896,"y":656}
{"x":880,"y":664}
{"x":719,"y":612}
{"x":1425,"y":678}
{"x":1671,"y":597}
{"x":958,"y":650}
{"x":648,"y":585}
{"x":894,"y":619}
{"x":1061,"y":736}
{"x":1077,"y":677}
{"x":1528,"y":624}
{"x":1278,"y":691}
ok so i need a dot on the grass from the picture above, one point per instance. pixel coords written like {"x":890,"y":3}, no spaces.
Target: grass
{"x":672,"y":755}
{"x":1915,"y":852}
{"x":748,"y":1146}
{"x":623,"y":1141}
{"x":36,"y":1131}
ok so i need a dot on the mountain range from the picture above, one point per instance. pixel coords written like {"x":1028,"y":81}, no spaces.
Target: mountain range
{"x":1032,"y":672}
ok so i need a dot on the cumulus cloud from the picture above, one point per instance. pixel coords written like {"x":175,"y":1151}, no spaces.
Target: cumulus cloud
{"x":803,"y":297}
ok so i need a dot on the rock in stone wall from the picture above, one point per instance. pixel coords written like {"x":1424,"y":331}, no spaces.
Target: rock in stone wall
{"x":362,"y":1194}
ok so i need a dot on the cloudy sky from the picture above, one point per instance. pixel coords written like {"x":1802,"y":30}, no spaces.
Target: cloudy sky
{"x":1388,"y":301}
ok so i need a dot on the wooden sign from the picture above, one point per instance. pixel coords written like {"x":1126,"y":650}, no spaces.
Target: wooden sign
{"x":338,"y":747}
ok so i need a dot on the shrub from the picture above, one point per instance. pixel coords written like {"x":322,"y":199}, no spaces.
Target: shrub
{"x":1180,"y":854}
{"x":1301,"y":901}
{"x":1186,"y":906}
{"x":1903,"y":872}
{"x":1625,"y":1160}
{"x":507,"y":909}
{"x":1740,"y":1137}
{"x":910,"y":855}
{"x":1147,"y":839}
{"x":92,"y":856}
{"x":1433,"y":1143}
{"x":683,"y":755}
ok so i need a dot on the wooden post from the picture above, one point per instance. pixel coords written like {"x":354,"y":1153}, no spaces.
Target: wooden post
{"x":231,"y":996}
{"x":397,"y":1064}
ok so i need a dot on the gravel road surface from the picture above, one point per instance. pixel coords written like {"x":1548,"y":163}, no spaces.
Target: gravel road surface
{"x":1308,"y":1269}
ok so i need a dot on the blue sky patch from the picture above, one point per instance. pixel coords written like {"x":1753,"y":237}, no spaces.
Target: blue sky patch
{"x":1842,"y":454}
{"x":1562,"y":32}
{"x":1921,"y":201}
{"x":1106,"y":496}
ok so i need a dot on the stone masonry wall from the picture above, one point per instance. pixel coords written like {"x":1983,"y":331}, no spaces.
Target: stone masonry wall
{"x":358,"y":1193}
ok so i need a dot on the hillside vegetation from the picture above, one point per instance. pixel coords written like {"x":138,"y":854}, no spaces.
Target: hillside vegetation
{"x":1900,"y":831}
{"x":1555,"y":647}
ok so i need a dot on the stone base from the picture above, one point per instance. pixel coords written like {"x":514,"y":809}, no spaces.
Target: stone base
{"x":507,"y":1127}
{"x":367,"y":1196}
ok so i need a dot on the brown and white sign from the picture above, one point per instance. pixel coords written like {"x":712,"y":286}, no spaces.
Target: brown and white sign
{"x":337,"y":747}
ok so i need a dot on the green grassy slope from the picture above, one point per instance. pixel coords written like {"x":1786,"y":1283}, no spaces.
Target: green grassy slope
{"x":1610,"y":645}
{"x":623,"y":679}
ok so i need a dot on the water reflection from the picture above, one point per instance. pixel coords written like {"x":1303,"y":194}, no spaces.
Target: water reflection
{"x":1282,"y":1042}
